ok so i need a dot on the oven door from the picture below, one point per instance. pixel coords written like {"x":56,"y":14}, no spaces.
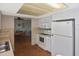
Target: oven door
{"x":41,"y":42}
{"x":41,"y":39}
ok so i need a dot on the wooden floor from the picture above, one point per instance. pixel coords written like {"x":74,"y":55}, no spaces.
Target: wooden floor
{"x":23,"y":47}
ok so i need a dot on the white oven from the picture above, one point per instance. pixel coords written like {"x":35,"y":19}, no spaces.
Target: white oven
{"x":44,"y":42}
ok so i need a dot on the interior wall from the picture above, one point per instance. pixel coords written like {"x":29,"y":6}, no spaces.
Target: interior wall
{"x":34,"y":30}
{"x":67,"y":14}
{"x":8,"y":23}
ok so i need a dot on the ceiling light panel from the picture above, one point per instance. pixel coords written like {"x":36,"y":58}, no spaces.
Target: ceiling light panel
{"x":37,"y":9}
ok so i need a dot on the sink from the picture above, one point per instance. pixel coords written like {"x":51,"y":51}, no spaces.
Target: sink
{"x":4,"y":46}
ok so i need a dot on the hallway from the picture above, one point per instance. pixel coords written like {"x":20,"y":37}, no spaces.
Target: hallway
{"x":23,"y":47}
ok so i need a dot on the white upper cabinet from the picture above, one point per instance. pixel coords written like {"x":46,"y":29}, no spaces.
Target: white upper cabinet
{"x":45,"y":22}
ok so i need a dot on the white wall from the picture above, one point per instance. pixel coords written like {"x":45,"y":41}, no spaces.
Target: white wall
{"x":8,"y":23}
{"x":66,"y":14}
{"x":34,"y":31}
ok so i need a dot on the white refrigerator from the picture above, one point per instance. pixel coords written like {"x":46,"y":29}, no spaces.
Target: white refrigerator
{"x":63,"y":39}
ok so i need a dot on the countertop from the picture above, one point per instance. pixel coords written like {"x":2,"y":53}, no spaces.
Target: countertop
{"x":6,"y":53}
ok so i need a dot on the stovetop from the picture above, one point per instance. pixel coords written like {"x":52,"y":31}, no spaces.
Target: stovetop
{"x":4,"y":46}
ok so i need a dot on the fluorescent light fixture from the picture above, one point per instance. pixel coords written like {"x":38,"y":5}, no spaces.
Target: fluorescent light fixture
{"x":57,"y":5}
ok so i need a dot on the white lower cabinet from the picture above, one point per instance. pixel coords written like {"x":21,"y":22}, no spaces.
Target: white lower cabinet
{"x":48,"y":43}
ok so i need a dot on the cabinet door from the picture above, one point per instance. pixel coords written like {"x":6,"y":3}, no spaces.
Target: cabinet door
{"x":48,"y":43}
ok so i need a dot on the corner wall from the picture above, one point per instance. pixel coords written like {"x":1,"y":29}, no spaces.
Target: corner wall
{"x":8,"y":23}
{"x":34,"y":31}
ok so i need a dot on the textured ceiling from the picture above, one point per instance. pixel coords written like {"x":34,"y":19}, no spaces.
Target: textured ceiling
{"x":37,"y":9}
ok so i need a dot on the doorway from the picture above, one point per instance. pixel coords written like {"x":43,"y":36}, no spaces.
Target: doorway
{"x":22,"y":35}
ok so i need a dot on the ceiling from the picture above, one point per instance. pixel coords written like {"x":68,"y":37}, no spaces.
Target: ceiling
{"x":10,"y":7}
{"x":32,"y":9}
{"x":37,"y":9}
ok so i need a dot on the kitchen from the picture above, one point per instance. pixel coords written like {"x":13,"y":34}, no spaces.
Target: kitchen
{"x":46,"y":28}
{"x":66,"y":27}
